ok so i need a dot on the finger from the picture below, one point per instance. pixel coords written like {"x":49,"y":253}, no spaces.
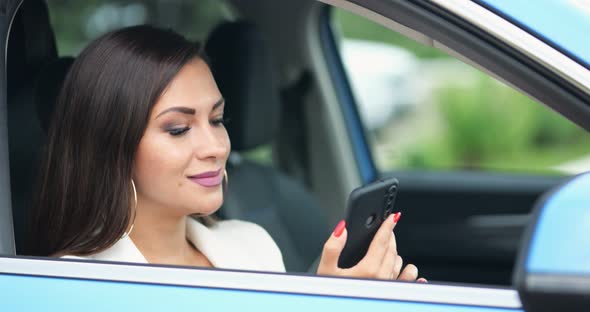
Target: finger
{"x":388,"y":263}
{"x":397,"y":267}
{"x":332,"y":250}
{"x":410,"y":273}
{"x":378,"y":247}
{"x":422,"y":280}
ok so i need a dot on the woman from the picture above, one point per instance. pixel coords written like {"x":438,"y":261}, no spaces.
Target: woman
{"x":136,"y":154}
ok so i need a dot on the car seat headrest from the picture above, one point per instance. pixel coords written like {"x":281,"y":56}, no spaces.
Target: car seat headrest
{"x":241,"y":63}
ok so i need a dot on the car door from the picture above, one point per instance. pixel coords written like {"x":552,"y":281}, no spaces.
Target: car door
{"x":426,"y":185}
{"x":33,"y":284}
{"x":465,"y":194}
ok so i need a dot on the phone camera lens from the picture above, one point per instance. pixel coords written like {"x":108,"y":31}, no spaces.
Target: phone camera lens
{"x":370,"y":220}
{"x":387,"y":211}
{"x":392,"y":189}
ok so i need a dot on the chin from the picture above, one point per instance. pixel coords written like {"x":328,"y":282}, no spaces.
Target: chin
{"x":207,"y":205}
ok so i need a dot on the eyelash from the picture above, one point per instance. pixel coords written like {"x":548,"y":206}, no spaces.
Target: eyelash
{"x":180,"y":131}
{"x":220,"y":121}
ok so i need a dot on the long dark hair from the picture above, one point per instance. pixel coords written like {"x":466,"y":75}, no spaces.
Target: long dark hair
{"x":83,"y":197}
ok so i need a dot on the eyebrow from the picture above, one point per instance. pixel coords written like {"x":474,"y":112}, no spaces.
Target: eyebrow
{"x":187,"y":110}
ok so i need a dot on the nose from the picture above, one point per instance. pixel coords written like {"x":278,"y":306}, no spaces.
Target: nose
{"x":211,"y":143}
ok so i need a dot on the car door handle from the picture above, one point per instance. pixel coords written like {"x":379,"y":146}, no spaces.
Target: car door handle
{"x":499,"y":221}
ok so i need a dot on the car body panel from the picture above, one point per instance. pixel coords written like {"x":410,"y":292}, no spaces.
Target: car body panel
{"x":557,"y":241}
{"x":71,"y":294}
{"x":105,"y":286}
{"x":559,"y":23}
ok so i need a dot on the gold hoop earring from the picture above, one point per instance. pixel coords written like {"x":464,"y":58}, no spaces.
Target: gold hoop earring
{"x":134,"y":211}
{"x":225,"y":178}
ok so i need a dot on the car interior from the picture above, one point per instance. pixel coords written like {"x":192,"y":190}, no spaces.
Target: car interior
{"x":243,"y":70}
{"x":298,"y":144}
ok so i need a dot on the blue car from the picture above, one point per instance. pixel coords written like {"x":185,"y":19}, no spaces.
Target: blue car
{"x":490,"y":149}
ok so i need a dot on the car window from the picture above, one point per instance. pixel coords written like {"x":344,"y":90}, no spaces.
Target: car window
{"x":77,"y":23}
{"x":423,"y":109}
{"x":404,"y":131}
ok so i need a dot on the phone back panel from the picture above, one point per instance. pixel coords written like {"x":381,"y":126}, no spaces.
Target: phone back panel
{"x":368,"y":206}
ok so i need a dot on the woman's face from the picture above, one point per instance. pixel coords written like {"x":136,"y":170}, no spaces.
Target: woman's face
{"x":181,"y":157}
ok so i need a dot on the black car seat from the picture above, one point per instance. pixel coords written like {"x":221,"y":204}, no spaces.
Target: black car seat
{"x":31,"y":47}
{"x":241,"y":62}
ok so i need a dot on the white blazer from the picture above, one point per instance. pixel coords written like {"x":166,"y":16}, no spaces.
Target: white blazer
{"x":229,"y":244}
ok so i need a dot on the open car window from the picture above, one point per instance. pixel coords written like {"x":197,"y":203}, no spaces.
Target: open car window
{"x":425,"y":110}
{"x":472,"y":162}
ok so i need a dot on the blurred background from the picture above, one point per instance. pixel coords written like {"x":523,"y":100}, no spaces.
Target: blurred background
{"x":421,"y":108}
{"x":426,"y":110}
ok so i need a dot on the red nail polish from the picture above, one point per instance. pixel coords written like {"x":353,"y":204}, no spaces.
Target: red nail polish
{"x":339,"y":228}
{"x":396,"y":217}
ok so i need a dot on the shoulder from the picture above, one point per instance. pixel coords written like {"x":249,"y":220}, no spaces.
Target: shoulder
{"x":124,"y":250}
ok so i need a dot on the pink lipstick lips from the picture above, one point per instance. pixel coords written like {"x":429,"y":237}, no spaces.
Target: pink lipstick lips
{"x":208,"y":179}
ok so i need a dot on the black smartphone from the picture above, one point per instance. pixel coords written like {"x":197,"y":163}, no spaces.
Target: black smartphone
{"x":368,"y":207}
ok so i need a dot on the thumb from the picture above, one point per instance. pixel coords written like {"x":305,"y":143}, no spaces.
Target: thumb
{"x":332,"y":250}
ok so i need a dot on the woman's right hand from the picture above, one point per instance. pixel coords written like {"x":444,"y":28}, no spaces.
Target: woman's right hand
{"x":381,"y":260}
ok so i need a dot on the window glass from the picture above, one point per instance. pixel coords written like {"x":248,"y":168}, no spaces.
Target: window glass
{"x":426,"y":110}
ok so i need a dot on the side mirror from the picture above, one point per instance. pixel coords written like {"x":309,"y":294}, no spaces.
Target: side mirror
{"x":553,"y":268}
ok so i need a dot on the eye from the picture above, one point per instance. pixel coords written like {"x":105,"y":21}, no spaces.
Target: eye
{"x":178,"y":131}
{"x":221,"y":121}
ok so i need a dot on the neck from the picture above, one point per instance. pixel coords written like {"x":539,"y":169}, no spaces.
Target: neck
{"x":159,"y":237}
